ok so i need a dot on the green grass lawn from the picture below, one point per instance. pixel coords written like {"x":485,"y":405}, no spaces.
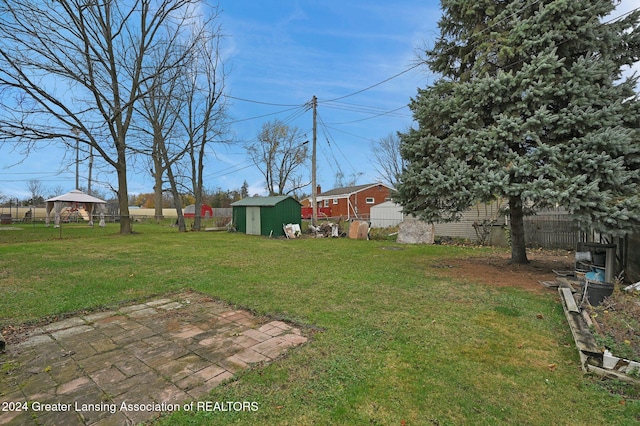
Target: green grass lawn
{"x":393,"y":342}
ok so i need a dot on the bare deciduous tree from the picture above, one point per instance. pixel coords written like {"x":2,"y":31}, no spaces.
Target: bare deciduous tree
{"x":204,"y":118}
{"x":159,"y":117}
{"x":389,"y":163}
{"x":184,"y":113}
{"x":36,"y":189}
{"x":73,"y":71}
{"x":278,"y":152}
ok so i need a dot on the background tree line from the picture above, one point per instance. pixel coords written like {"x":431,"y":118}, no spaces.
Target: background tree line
{"x":216,"y":198}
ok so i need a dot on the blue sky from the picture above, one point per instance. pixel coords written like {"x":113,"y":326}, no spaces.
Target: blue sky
{"x":288,"y":52}
{"x":278,"y":55}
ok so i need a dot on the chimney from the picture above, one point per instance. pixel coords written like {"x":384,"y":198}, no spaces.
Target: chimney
{"x":318,"y":189}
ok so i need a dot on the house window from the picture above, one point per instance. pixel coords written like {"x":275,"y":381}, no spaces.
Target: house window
{"x":335,"y":201}
{"x":326,"y":203}
{"x":370,"y":200}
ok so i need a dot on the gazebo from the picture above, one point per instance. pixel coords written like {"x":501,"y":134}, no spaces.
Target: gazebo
{"x":74,"y":197}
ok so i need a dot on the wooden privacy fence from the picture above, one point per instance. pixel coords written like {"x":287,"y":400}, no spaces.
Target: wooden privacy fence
{"x":551,"y":231}
{"x":632,"y":270}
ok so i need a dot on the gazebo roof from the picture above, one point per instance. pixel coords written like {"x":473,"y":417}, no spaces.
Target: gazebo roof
{"x":76,"y":196}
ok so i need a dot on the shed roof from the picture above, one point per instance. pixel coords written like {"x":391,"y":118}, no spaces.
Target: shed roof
{"x":387,"y":205}
{"x":262,"y":201}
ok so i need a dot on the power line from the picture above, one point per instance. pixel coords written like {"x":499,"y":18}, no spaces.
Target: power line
{"x":365,"y":109}
{"x":420,"y":63}
{"x":374,"y":116}
{"x":228,"y":171}
{"x":33,"y":173}
{"x":374,"y":85}
{"x":488,"y":28}
{"x":265,"y":115}
{"x":350,"y":134}
{"x":295,"y":115}
{"x":261,"y":102}
{"x":621,"y":16}
{"x":328,"y":135}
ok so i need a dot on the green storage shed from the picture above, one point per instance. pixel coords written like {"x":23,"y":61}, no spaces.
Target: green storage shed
{"x":266,"y":215}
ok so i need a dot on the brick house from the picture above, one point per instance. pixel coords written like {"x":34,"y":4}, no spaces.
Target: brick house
{"x":353,"y":201}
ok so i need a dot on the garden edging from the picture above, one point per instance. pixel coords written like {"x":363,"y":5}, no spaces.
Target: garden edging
{"x":593,"y":358}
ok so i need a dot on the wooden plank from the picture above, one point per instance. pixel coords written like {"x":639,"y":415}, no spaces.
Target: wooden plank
{"x":585,"y":342}
{"x":569,"y":300}
{"x":611,"y":374}
{"x":564,"y":283}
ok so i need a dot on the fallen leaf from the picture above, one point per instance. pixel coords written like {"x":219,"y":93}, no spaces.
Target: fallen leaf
{"x":539,"y":316}
{"x":552,"y":366}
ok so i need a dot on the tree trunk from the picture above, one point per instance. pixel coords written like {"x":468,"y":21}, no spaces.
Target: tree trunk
{"x":157,"y":188}
{"x":197,"y":221}
{"x":518,"y":248}
{"x":177,"y":200}
{"x":123,"y":198}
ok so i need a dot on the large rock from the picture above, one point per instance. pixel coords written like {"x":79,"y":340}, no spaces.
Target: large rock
{"x":415,"y":231}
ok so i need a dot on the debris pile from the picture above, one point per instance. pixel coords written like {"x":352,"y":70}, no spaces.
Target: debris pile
{"x":326,"y":229}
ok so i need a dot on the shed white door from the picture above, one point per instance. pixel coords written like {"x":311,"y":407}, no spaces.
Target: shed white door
{"x":253,"y":220}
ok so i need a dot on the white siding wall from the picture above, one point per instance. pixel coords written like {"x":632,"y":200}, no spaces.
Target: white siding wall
{"x":464,"y":228}
{"x":386,"y":214}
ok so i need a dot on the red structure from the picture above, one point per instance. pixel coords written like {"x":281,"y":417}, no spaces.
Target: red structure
{"x":205,"y":211}
{"x":307,"y":212}
{"x":350,"y":202}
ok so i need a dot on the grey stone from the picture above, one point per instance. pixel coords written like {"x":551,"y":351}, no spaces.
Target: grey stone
{"x":415,"y":231}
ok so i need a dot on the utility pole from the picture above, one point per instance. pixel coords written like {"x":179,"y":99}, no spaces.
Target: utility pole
{"x":77,"y":164}
{"x":76,"y":132}
{"x":314,"y":186}
{"x":90,"y":167}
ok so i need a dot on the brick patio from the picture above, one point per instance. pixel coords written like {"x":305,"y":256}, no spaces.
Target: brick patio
{"x":167,"y":351}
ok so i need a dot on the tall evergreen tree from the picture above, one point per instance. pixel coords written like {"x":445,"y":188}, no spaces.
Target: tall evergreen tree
{"x":244,"y":190}
{"x":531,"y":106}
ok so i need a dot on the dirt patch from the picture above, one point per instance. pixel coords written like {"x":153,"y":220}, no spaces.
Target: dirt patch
{"x":497,"y":270}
